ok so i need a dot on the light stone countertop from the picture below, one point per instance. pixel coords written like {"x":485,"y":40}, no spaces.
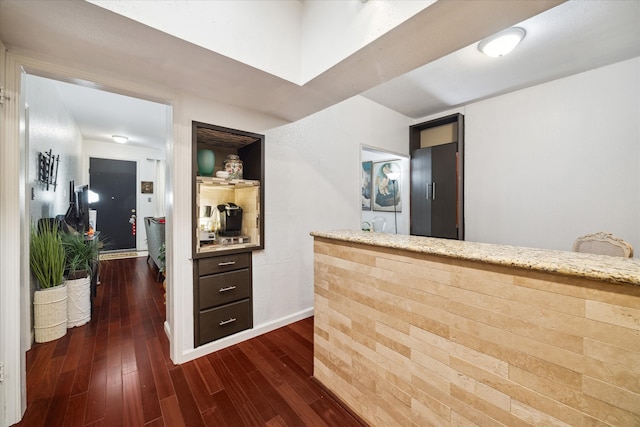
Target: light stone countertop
{"x":596,"y":267}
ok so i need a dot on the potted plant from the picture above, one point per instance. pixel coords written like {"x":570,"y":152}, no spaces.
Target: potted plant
{"x":162,"y":257}
{"x":46,"y":258}
{"x":81,"y":257}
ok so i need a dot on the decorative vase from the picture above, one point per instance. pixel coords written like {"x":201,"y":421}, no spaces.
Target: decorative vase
{"x":78,"y":301}
{"x":50,"y":313}
{"x":233,"y":165}
{"x":206,"y":161}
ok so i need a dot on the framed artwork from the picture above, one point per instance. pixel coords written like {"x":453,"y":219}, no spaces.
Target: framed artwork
{"x":146,"y":187}
{"x":366,"y":186}
{"x":387,"y":195}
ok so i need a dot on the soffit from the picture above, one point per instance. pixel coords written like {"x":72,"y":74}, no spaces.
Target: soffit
{"x":81,"y":33}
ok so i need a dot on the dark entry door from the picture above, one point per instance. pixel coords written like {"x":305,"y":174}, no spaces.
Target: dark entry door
{"x":115,"y":183}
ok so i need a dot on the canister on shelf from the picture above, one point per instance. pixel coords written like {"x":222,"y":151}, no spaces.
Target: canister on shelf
{"x":233,"y":165}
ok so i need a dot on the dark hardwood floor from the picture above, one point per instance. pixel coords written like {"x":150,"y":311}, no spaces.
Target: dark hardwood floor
{"x":116,"y":370}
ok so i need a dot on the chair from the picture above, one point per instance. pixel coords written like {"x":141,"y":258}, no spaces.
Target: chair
{"x":603,"y":244}
{"x":155,"y":238}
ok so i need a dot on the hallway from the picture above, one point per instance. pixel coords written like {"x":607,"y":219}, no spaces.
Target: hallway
{"x":116,"y":370}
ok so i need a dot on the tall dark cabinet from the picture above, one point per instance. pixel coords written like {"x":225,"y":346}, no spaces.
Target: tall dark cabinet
{"x":222,"y":259}
{"x":437,"y":166}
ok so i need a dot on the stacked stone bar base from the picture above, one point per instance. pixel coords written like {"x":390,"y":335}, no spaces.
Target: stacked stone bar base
{"x":414,"y":339}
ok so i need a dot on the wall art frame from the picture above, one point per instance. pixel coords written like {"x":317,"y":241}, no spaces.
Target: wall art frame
{"x":386,"y":194}
{"x":366,"y":185}
{"x":146,"y":187}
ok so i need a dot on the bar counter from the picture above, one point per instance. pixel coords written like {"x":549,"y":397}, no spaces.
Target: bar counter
{"x":596,"y":267}
{"x":422,"y":331}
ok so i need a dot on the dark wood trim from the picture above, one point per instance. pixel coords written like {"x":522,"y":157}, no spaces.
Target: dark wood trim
{"x":251,"y":149}
{"x":414,"y":131}
{"x":461,"y":149}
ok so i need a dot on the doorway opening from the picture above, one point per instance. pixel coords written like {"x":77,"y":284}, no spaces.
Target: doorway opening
{"x":76,"y":123}
{"x":376,"y":214}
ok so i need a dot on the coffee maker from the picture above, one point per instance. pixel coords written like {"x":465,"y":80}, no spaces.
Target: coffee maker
{"x":230,"y":219}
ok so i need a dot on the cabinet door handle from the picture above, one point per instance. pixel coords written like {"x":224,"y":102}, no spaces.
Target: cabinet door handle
{"x":428,"y":187}
{"x":228,"y":288}
{"x":434,"y":191}
{"x":222,"y":264}
{"x":226,"y":322}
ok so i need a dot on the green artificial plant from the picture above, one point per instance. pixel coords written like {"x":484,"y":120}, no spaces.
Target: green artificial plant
{"x":80,"y":255}
{"x":46,"y":254}
{"x":162,"y":257}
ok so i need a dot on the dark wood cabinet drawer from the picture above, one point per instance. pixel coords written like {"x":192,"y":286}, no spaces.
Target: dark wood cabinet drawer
{"x":220,"y":264}
{"x":223,"y":321}
{"x":223,"y":288}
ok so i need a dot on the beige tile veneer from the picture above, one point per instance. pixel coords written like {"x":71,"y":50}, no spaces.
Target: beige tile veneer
{"x":411,"y":336}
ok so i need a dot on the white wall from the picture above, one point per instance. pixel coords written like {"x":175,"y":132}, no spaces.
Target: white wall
{"x":547,"y":164}
{"x":263,"y":34}
{"x":179,"y":202}
{"x":312,"y":182}
{"x":50,"y":127}
{"x":149,"y":166}
{"x":334,"y":30}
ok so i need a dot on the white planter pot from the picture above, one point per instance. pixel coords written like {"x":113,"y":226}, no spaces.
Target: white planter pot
{"x":50,"y":313}
{"x":78,"y":301}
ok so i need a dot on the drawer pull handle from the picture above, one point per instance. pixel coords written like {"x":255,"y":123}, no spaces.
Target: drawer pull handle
{"x":222,"y":264}
{"x":228,"y":288}
{"x":226,"y":322}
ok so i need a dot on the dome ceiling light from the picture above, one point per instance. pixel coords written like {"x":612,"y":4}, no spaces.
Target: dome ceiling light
{"x":120,"y":139}
{"x":501,"y":43}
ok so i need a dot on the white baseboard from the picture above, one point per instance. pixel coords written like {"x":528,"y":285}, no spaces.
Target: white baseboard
{"x":167,"y":331}
{"x":211,"y":347}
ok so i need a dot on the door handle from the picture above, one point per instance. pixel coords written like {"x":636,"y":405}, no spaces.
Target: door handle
{"x":431,"y":187}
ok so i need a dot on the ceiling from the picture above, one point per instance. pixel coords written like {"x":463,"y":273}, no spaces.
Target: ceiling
{"x":428,"y":64}
{"x":571,"y":38}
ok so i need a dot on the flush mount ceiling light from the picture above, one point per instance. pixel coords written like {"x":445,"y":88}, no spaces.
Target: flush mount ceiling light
{"x":501,"y":43}
{"x":120,"y":139}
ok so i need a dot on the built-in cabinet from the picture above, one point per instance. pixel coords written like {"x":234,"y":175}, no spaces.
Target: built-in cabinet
{"x":224,"y":296}
{"x":222,"y":273}
{"x":437,"y":172}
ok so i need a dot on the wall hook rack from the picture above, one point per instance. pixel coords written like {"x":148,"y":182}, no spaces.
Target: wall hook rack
{"x":48,"y":169}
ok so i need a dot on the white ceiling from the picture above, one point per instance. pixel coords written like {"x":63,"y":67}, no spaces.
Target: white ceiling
{"x":100,"y":115}
{"x":569,"y":38}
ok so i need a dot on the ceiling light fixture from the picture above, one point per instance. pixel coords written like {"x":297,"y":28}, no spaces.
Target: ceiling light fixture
{"x":120,"y":139}
{"x":501,"y":43}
